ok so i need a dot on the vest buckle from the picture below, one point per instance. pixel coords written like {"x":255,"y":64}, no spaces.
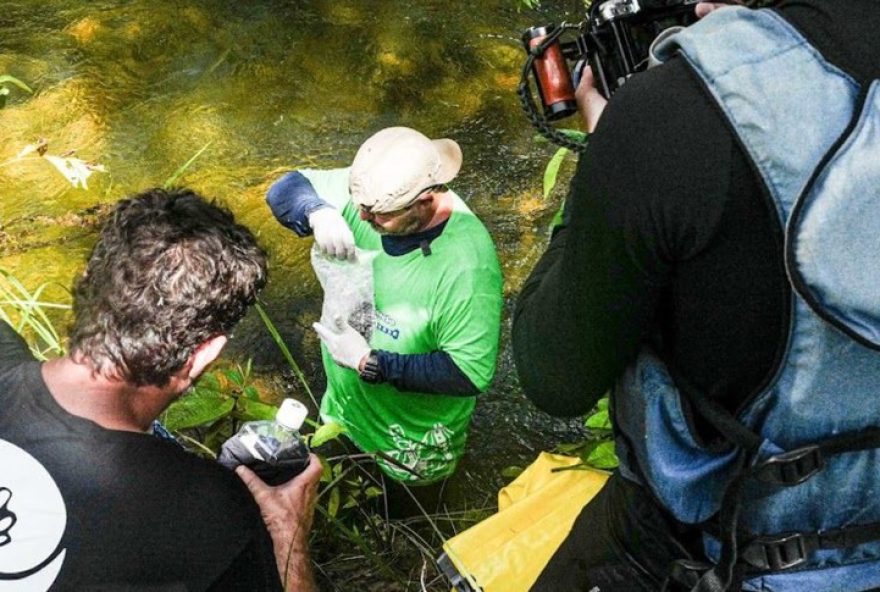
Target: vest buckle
{"x":777,"y":553}
{"x":792,"y":467}
{"x":684,"y":574}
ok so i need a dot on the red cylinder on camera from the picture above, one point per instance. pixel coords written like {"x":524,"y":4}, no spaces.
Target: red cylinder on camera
{"x":552,"y":74}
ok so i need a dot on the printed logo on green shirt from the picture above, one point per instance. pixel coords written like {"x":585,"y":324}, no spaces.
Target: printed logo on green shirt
{"x":387,"y":325}
{"x":427,"y":457}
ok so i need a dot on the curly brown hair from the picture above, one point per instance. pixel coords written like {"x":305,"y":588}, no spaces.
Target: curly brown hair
{"x":169,"y":271}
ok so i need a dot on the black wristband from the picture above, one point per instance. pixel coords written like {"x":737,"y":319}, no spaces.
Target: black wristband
{"x":371,"y":372}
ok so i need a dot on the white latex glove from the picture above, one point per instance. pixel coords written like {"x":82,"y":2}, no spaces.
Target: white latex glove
{"x":346,"y":346}
{"x":332,"y":234}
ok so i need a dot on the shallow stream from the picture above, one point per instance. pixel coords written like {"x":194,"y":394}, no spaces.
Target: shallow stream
{"x":141,"y":86}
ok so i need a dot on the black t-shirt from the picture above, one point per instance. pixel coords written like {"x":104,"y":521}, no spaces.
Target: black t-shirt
{"x":114,"y":510}
{"x":671,"y":239}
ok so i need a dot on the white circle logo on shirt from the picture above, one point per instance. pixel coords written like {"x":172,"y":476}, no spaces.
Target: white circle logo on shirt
{"x":32,"y":521}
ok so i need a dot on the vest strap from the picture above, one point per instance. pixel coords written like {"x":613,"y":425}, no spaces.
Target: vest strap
{"x":686,"y":575}
{"x":781,"y":552}
{"x":790,"y":468}
{"x":785,"y":551}
{"x":767,"y":552}
{"x":796,"y":466}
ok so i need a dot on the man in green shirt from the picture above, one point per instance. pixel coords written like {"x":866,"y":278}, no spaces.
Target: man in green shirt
{"x":410,"y":392}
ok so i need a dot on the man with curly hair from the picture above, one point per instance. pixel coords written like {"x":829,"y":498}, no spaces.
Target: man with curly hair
{"x":97,"y":501}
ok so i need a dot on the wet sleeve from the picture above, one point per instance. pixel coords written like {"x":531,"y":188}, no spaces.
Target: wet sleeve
{"x":291,"y":199}
{"x":433,"y":372}
{"x":13,"y":349}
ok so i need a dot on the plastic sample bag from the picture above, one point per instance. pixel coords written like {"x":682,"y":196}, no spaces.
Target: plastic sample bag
{"x":348,"y":290}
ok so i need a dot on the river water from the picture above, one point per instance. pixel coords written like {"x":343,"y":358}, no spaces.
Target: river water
{"x":141,"y":86}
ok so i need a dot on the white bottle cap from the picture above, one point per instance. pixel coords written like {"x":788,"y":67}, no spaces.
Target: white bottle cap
{"x":291,"y":414}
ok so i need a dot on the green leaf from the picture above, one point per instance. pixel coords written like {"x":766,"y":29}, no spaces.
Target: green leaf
{"x":599,"y":420}
{"x":326,"y":471}
{"x":552,"y":170}
{"x":603,"y":456}
{"x":576,"y":135}
{"x":15,"y":81}
{"x":333,"y":502}
{"x":209,"y":382}
{"x":557,"y":217}
{"x":247,"y":368}
{"x":200,"y":407}
{"x":249,"y":410}
{"x":512,"y":472}
{"x":252,"y":393}
{"x":217,"y":434}
{"x":373,"y":491}
{"x":571,"y":449}
{"x":235,"y":377}
{"x":325,"y":433}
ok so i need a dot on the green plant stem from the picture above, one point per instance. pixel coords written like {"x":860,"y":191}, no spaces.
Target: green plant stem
{"x":354,"y":537}
{"x":197,"y":444}
{"x":273,"y":331}
{"x":170,"y":181}
{"x":34,"y":303}
{"x":15,"y":81}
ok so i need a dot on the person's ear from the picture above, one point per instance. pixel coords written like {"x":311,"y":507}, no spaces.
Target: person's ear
{"x":206,"y":353}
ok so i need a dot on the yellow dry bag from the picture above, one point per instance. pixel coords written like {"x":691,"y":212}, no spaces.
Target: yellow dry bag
{"x":507,"y":551}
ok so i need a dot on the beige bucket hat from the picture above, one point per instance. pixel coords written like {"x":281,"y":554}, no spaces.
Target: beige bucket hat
{"x":396,"y":164}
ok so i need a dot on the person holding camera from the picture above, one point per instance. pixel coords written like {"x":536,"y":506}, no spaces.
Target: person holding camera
{"x":715,"y":269}
{"x":408,"y":393}
{"x":89,"y":498}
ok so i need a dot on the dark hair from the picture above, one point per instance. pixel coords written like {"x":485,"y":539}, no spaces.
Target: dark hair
{"x":169,"y":272}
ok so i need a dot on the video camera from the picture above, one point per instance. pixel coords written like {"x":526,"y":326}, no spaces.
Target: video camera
{"x":614,"y":39}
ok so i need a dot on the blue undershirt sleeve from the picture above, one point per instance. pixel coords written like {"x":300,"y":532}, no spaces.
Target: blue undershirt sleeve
{"x":434,"y":373}
{"x":291,"y":199}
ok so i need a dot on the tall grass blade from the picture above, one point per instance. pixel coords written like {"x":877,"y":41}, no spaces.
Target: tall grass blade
{"x":354,"y":537}
{"x":552,"y":170}
{"x":173,"y":178}
{"x":15,"y":81}
{"x":276,"y":337}
{"x":30,"y":310}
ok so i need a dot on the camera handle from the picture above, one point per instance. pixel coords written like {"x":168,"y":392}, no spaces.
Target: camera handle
{"x":527,"y":99}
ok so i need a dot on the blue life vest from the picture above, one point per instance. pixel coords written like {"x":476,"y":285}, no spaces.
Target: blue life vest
{"x":813,"y":135}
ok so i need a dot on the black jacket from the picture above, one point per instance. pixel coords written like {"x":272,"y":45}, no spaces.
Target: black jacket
{"x":671,"y":238}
